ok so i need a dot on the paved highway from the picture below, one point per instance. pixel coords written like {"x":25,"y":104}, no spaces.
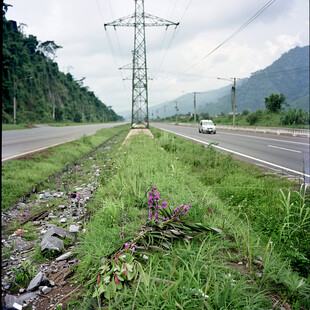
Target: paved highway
{"x":17,"y":143}
{"x":282,"y":154}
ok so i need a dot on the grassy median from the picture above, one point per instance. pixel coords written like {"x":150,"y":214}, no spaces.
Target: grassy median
{"x":217,"y":255}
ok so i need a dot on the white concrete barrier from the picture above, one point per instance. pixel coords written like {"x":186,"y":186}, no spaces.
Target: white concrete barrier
{"x":295,"y":132}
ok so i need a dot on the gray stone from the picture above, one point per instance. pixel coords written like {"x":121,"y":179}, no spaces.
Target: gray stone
{"x":74,"y":228}
{"x":10,"y":300}
{"x":51,"y":216}
{"x":259,"y":275}
{"x":63,"y":220}
{"x":21,"y":290}
{"x":63,"y":257}
{"x":48,"y":195}
{"x":62,"y":207}
{"x":35,"y":282}
{"x":6,"y":244}
{"x":52,"y":243}
{"x":58,"y":231}
{"x":58,"y":194}
{"x":21,"y":205}
{"x":4,"y":264}
{"x":26,"y":297}
{"x":46,"y":289}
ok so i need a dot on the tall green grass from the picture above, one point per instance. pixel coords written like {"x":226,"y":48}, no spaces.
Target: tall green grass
{"x":193,"y":275}
{"x":277,"y":208}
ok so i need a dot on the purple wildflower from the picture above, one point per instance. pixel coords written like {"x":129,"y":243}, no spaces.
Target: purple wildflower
{"x":121,"y":235}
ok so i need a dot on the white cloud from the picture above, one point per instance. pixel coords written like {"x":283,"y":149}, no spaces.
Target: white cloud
{"x":97,"y":54}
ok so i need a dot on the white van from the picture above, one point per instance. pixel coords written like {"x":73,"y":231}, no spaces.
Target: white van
{"x":207,"y":126}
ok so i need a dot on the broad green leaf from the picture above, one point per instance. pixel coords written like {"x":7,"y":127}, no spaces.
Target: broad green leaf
{"x":129,"y":267}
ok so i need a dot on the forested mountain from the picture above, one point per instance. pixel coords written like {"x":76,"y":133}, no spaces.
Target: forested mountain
{"x":43,"y":93}
{"x":288,"y":75}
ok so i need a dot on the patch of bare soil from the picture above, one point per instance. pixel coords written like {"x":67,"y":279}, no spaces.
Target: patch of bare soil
{"x":138,"y":131}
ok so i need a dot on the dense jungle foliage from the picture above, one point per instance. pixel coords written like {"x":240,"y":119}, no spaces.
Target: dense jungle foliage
{"x":43,"y":93}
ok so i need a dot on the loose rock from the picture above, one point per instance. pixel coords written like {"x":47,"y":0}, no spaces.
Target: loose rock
{"x":52,"y":243}
{"x":74,"y":228}
{"x":35,"y":282}
{"x":64,"y":256}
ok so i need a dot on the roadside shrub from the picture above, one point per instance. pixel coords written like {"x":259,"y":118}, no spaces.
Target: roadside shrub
{"x":295,"y":117}
{"x":254,"y":117}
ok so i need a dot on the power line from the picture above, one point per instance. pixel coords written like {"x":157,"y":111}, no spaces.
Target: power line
{"x":264,"y":8}
{"x":111,"y":45}
{"x":176,"y":31}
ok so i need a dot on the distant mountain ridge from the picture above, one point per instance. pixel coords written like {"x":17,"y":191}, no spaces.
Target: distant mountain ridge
{"x":288,"y":75}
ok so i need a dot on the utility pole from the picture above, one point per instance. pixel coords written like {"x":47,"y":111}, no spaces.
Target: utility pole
{"x":139,"y":20}
{"x":14,"y":100}
{"x":234,"y":97}
{"x":195,"y":115}
{"x":165,"y":112}
{"x":234,"y":101}
{"x":176,"y":111}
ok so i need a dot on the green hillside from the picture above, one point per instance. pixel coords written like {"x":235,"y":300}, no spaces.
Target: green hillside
{"x":40,"y":87}
{"x":288,"y":75}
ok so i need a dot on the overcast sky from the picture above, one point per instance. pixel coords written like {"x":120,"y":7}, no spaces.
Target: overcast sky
{"x":174,"y":56}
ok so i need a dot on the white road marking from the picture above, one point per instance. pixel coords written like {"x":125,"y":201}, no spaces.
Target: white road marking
{"x":242,"y":155}
{"x":282,"y":148}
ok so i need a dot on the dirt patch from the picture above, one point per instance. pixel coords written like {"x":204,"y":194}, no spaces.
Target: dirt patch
{"x":61,"y":296}
{"x":30,"y":126}
{"x":43,"y":153}
{"x":138,"y":131}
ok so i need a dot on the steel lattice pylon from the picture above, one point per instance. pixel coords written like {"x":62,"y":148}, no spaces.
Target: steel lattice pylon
{"x":139,"y":20}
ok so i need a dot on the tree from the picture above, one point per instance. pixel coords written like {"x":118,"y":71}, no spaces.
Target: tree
{"x":274,"y":102}
{"x":49,"y":48}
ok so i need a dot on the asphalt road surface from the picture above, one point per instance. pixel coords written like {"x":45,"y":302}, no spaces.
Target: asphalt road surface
{"x":18,"y":143}
{"x":283,"y":155}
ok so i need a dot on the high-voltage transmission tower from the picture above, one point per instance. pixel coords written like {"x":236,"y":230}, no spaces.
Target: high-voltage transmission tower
{"x":139,"y":20}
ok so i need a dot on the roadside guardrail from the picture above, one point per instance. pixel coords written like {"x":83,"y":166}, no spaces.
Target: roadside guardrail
{"x":295,"y":132}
